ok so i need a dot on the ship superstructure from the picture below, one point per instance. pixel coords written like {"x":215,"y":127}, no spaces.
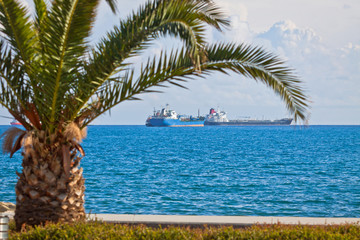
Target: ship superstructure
{"x":216,"y":116}
{"x":169,"y":118}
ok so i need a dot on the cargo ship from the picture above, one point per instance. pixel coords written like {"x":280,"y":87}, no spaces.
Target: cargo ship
{"x":169,"y":118}
{"x":15,"y":123}
{"x":218,"y":118}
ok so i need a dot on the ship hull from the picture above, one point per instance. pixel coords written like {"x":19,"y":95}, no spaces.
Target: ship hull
{"x":282,"y":122}
{"x":163,"y":122}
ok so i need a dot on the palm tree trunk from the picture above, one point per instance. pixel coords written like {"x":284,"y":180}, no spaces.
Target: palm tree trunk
{"x":51,"y":186}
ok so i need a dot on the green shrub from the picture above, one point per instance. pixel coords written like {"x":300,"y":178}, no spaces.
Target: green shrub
{"x":99,"y":230}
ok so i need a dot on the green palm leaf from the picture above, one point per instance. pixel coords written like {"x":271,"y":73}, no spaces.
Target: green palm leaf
{"x":112,"y":5}
{"x":18,"y":29}
{"x":183,"y":19}
{"x":14,"y":87}
{"x":68,"y":25}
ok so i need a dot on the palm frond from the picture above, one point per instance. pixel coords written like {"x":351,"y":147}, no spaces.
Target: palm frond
{"x":17,"y":27}
{"x":183,"y":19}
{"x":41,"y":11}
{"x":66,"y":27}
{"x":112,"y":5}
{"x":12,"y":81}
{"x":12,"y":140}
{"x":208,"y":12}
{"x":41,"y":15}
{"x":15,"y":90}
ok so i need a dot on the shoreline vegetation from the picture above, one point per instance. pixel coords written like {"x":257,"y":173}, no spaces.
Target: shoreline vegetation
{"x":97,"y":229}
{"x":101,"y":230}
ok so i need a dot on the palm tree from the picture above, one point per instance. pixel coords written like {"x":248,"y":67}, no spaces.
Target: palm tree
{"x":55,"y":83}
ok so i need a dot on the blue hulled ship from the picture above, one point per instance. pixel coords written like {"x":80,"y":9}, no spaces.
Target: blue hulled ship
{"x":169,"y":118}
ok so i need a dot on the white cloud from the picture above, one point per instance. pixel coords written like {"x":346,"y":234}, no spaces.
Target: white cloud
{"x":330,"y":74}
{"x":234,"y":8}
{"x":239,"y":30}
{"x":285,"y":37}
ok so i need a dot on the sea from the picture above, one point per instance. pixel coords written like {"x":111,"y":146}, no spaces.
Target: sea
{"x":311,"y":171}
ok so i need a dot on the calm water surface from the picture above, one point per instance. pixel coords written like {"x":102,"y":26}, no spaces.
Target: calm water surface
{"x":253,"y":171}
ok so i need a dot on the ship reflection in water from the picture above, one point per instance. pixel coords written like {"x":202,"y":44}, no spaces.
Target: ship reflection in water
{"x":169,"y":118}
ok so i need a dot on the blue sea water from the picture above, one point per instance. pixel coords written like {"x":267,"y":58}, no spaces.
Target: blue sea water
{"x":249,"y":171}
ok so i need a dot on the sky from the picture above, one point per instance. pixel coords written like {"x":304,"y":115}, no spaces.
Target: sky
{"x":319,"y":39}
